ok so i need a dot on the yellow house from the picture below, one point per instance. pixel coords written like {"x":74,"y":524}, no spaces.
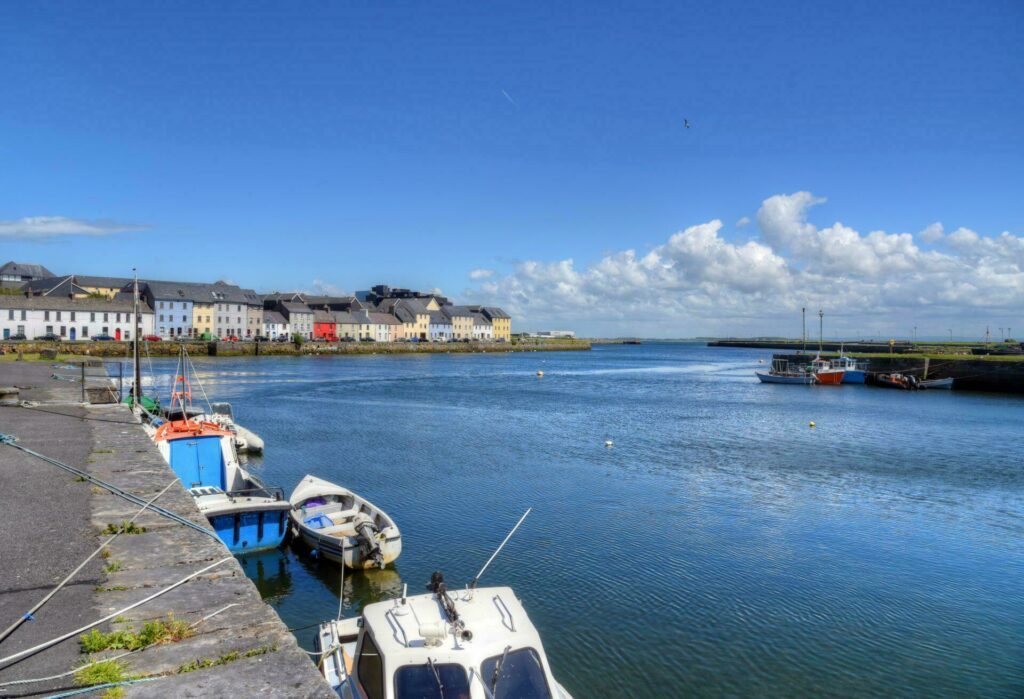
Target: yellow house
{"x":462,"y":321}
{"x":501,"y":322}
{"x":414,"y":315}
{"x":202,"y":317}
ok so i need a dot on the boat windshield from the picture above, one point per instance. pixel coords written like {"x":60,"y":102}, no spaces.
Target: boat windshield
{"x":432,"y":681}
{"x":520,"y":675}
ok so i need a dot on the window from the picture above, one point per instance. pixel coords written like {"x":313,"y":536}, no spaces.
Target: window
{"x":118,"y":317}
{"x":85,"y":331}
{"x":127,"y":334}
{"x":161,"y":318}
{"x":63,"y":331}
{"x":10,"y":315}
{"x":49,"y":329}
{"x":370,"y":668}
{"x":58,"y":315}
{"x":46,"y":315}
{"x":521,"y":676}
{"x":184,"y":319}
{"x":106,"y":330}
{"x":106,"y":318}
{"x":23,"y":315}
{"x":72,"y":316}
{"x":420,"y":682}
{"x":92,"y":317}
{"x":161,"y":304}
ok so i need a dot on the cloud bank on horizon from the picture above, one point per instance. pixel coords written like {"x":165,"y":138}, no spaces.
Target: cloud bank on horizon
{"x":37,"y":227}
{"x":697,"y":282}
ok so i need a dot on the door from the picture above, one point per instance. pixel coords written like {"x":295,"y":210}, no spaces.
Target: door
{"x":117,"y":334}
{"x":7,"y":333}
{"x":72,"y":334}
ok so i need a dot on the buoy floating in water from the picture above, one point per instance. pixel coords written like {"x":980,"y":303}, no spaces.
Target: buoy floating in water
{"x":811,"y":424}
{"x":540,"y":373}
{"x":609,"y":443}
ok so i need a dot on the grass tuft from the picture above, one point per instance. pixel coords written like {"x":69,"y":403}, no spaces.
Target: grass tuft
{"x":170,"y":630}
{"x":125,"y":527}
{"x":203,"y":663}
{"x":101,"y":673}
{"x":113,"y":567}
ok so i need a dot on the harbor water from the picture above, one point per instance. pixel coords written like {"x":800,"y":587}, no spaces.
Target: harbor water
{"x":721,"y":547}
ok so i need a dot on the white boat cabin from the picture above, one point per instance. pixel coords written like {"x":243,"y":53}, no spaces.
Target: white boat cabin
{"x":413,"y":647}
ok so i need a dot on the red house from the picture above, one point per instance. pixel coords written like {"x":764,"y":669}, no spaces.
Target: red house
{"x":324,"y":327}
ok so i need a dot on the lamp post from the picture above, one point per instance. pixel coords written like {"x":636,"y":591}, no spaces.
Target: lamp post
{"x":821,"y":329}
{"x":803,"y":318}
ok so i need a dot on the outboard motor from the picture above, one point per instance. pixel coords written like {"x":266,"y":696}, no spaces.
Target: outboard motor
{"x":369,"y":533}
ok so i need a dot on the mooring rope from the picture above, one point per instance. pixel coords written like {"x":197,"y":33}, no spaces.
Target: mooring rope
{"x":39,"y":605}
{"x":113,"y":489}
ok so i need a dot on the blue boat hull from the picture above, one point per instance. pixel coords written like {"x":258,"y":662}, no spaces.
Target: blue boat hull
{"x":853,"y":376}
{"x":251,"y":531}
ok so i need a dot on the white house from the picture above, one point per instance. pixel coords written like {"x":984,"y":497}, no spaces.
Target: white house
{"x":441,"y":329}
{"x":482,"y":328}
{"x":275,"y":325}
{"x":71,"y":319}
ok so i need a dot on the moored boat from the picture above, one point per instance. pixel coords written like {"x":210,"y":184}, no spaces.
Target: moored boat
{"x":472,"y":643}
{"x":897,"y":380}
{"x":342,"y":526}
{"x":245,"y":514}
{"x":946,"y":383}
{"x":852,"y":372}
{"x":781,"y":372}
{"x":826,"y":374}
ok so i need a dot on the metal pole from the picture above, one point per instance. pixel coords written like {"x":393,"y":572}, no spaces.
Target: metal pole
{"x":803,"y":316}
{"x":83,"y":380}
{"x":821,"y":329}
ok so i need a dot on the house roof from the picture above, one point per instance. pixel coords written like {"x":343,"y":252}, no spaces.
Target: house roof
{"x":63,"y":303}
{"x":456,"y":311}
{"x":439,"y":318}
{"x":344,"y":318}
{"x":384,"y":319}
{"x":26,"y":269}
{"x":480,"y":319}
{"x":290,"y":307}
{"x":219,"y":292}
{"x":493,"y":312}
{"x":323,"y":317}
{"x":274,"y":317}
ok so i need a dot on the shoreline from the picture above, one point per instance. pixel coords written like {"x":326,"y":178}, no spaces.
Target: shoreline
{"x":120,"y":350}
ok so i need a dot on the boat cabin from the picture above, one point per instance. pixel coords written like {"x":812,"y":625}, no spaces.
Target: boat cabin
{"x":409,"y":647}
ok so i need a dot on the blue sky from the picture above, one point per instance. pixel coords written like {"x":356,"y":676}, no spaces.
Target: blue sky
{"x":283,"y":145}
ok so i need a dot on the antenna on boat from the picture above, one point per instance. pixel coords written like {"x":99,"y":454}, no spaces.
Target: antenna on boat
{"x":136,"y":359}
{"x":473,"y":582}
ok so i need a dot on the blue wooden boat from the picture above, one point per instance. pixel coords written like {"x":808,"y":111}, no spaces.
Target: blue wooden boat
{"x":245,"y":514}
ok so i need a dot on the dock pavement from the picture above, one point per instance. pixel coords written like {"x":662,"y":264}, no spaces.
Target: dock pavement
{"x":225,"y":640}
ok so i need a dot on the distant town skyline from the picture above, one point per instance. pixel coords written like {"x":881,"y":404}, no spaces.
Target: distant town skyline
{"x":662,"y":170}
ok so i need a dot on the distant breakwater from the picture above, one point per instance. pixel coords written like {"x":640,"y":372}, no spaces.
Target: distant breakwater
{"x":120,"y":350}
{"x":969,"y":374}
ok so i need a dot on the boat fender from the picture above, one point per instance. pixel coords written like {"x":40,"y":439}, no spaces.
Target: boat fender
{"x":811,"y":424}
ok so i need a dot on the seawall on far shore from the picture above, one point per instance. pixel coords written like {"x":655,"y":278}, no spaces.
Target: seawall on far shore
{"x":244,"y":349}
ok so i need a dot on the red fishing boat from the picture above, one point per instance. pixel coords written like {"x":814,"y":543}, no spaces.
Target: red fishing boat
{"x":825,"y":373}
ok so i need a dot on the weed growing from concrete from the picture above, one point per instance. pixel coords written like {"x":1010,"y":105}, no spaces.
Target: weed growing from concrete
{"x":125,"y":527}
{"x":200,"y":664}
{"x":152,"y":632}
{"x":101,"y":673}
{"x":113,"y":567}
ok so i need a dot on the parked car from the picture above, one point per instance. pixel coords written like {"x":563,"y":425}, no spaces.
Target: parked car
{"x":282,"y":338}
{"x":348,"y":339}
{"x":260,"y":338}
{"x":102,"y":338}
{"x":17,"y":337}
{"x":231,"y":338}
{"x":48,"y":337}
{"x":151,"y":338}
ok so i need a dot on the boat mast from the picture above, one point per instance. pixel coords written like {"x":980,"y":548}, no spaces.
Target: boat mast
{"x":137,"y":385}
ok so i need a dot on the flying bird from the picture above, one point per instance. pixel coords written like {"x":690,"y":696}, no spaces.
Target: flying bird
{"x":686,"y":123}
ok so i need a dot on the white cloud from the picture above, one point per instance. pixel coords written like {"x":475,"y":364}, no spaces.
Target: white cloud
{"x":53,"y":226}
{"x":743,"y":222}
{"x":322,"y":288}
{"x":481,"y":273}
{"x":699,"y":282}
{"x":932,"y":233}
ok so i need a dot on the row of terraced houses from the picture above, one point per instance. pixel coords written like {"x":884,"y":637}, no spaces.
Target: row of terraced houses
{"x":36,"y":303}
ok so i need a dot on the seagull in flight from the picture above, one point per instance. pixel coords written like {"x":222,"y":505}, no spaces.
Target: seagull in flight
{"x":686,"y":123}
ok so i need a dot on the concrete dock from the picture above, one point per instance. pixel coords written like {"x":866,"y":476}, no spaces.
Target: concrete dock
{"x":231,"y":642}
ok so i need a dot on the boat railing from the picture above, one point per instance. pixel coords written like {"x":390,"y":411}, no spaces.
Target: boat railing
{"x":272,"y":491}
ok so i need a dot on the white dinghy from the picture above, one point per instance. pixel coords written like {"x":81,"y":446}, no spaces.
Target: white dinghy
{"x":476,"y":643}
{"x":342,"y":526}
